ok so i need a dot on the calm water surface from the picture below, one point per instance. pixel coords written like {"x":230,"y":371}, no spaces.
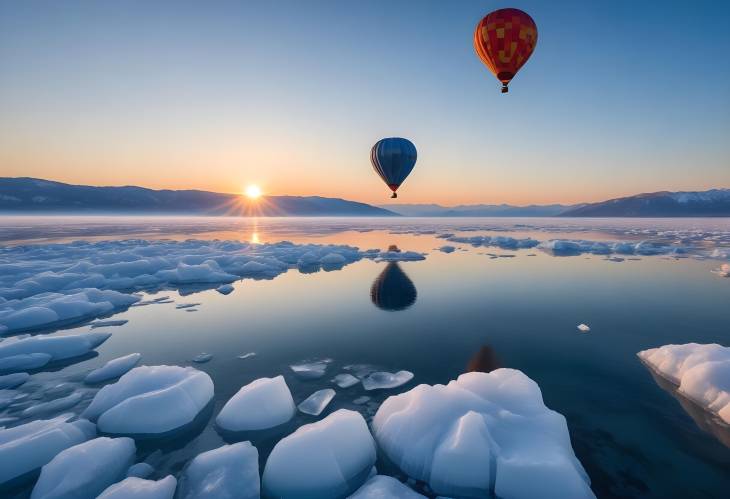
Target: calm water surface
{"x":435,"y":318}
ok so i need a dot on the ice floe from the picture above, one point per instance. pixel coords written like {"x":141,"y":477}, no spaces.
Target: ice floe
{"x":85,"y":470}
{"x":701,"y":371}
{"x":447,"y":249}
{"x":247,"y":355}
{"x":24,"y":362}
{"x":583,"y":328}
{"x":503,"y":242}
{"x":26,"y":448}
{"x":13,"y":380}
{"x":50,"y":309}
{"x":139,"y":488}
{"x":385,"y":487}
{"x":58,"y":346}
{"x":483,"y":434}
{"x":151,"y":400}
{"x":311,"y":369}
{"x":54,"y":406}
{"x":225,"y":289}
{"x":381,"y":380}
{"x":140,"y":470}
{"x":345,"y":380}
{"x":264,"y":403}
{"x":113,"y":369}
{"x":317,"y":402}
{"x":231,"y":471}
{"x":327,"y":459}
{"x":202,"y":358}
{"x":399,"y":256}
{"x":115,"y":323}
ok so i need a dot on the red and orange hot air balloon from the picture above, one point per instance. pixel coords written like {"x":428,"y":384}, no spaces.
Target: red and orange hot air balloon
{"x":504,"y":40}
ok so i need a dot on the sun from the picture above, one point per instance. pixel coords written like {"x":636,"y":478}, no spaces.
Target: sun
{"x":253,"y":191}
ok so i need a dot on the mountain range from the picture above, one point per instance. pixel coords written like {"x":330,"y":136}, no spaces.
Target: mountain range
{"x":32,"y":195}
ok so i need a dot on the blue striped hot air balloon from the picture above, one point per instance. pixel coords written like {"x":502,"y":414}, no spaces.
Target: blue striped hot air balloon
{"x":393,"y":159}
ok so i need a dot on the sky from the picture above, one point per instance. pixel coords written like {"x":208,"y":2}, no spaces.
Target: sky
{"x":619,"y":97}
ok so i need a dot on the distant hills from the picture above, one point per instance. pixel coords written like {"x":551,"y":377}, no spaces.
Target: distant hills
{"x":712,"y":203}
{"x":32,"y":195}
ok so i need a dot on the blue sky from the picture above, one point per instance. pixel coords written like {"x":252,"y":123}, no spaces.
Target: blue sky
{"x":619,"y":97}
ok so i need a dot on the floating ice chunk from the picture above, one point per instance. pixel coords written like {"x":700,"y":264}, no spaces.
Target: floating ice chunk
{"x":24,"y":362}
{"x":151,"y":400}
{"x":7,"y":397}
{"x":206,"y":272}
{"x":138,"y":488}
{"x":186,"y":305}
{"x":48,"y":309}
{"x":117,"y":323}
{"x":140,"y":470}
{"x":333,"y":259}
{"x":385,"y":487}
{"x":382,"y":380}
{"x":449,"y":436}
{"x":202,"y":357}
{"x":57,"y":405}
{"x":447,"y":249}
{"x":345,"y":380}
{"x":361,"y":400}
{"x":25,"y":448}
{"x":247,"y":355}
{"x":317,"y":402}
{"x":327,"y":459}
{"x":583,"y":328}
{"x":225,"y":289}
{"x":113,"y":369}
{"x":231,"y":471}
{"x":85,"y":470}
{"x":59,"y":347}
{"x":264,"y":403}
{"x":701,"y":371}
{"x":310,"y":370}
{"x":13,"y":380}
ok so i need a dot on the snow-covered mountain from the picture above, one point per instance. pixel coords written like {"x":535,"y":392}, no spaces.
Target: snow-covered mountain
{"x":712,"y":203}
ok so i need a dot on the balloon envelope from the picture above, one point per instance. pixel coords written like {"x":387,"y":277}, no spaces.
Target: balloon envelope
{"x":393,"y":290}
{"x":504,"y":40}
{"x":393,"y":159}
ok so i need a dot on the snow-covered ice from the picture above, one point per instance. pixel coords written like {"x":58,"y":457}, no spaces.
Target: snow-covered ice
{"x":85,"y":470}
{"x":702,"y":373}
{"x":583,"y":328}
{"x":113,"y":369}
{"x":382,"y":380}
{"x":385,"y":487}
{"x":264,"y":403}
{"x":24,"y":362}
{"x":58,"y":346}
{"x":311,"y":369}
{"x":25,"y":448}
{"x":503,"y":242}
{"x":13,"y":380}
{"x":228,"y":472}
{"x":317,"y":402}
{"x":151,"y":400}
{"x":345,"y":380}
{"x":485,"y":433}
{"x":138,"y":488}
{"x":327,"y":459}
{"x":399,"y":256}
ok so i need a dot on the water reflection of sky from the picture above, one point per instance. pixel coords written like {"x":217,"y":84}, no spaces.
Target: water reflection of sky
{"x":471,"y":313}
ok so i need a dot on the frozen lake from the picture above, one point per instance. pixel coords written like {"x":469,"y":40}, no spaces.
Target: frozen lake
{"x":510,"y":294}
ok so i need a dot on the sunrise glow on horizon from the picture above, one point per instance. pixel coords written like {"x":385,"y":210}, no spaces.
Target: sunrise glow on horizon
{"x":170,"y":99}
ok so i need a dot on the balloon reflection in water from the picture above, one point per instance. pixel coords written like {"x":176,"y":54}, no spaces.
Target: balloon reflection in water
{"x":393,"y":290}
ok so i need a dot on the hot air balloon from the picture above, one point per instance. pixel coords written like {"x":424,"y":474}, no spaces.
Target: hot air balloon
{"x":393,"y":159}
{"x":504,"y":40}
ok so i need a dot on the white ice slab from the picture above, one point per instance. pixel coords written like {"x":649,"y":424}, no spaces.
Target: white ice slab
{"x":385,"y":487}
{"x":482,"y":429}
{"x":702,"y":373}
{"x":24,"y":362}
{"x":138,"y":488}
{"x":345,"y":380}
{"x":327,"y":459}
{"x":113,"y":369}
{"x":151,"y":400}
{"x":231,"y":471}
{"x":317,"y":402}
{"x":262,"y":404}
{"x":59,"y":347}
{"x":383,"y":380}
{"x":85,"y":470}
{"x":314,"y":369}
